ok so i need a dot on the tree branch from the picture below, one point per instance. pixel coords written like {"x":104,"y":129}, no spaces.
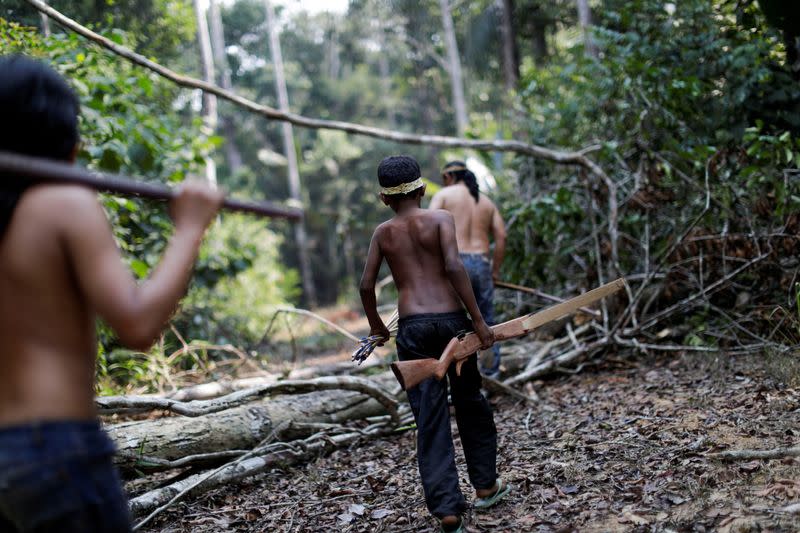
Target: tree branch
{"x":557,"y":156}
{"x":114,"y":404}
{"x":737,"y":455}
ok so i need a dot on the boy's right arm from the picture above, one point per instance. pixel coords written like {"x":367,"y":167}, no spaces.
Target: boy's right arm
{"x":367,"y":289}
{"x":460,"y":279}
{"x":137,"y":312}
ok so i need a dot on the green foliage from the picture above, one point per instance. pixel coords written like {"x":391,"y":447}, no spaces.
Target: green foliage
{"x":679,"y":93}
{"x":160,"y":28}
{"x":548,"y":221}
{"x":235,"y":307}
{"x":129,"y":123}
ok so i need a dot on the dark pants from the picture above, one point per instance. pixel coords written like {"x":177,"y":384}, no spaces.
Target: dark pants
{"x":479,"y":269}
{"x":426,"y":335}
{"x":59,"y":477}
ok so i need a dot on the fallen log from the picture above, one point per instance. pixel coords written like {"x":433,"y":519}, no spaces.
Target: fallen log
{"x":144,"y":444}
{"x":276,"y":453}
{"x":215,"y":389}
{"x":130,"y":404}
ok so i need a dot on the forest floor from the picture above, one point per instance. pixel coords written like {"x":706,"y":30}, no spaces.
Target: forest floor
{"x":623,"y":446}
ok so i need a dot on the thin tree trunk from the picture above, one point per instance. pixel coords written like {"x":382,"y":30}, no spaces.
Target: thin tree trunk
{"x":386,"y":79}
{"x":232,"y":153}
{"x":510,"y":62}
{"x":540,"y":51}
{"x":454,"y":61}
{"x":207,"y":68}
{"x":334,"y":61}
{"x":585,"y":21}
{"x":45,"y":22}
{"x":300,"y":236}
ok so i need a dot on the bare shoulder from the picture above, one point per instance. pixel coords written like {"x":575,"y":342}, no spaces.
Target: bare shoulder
{"x":447,"y":191}
{"x":60,"y":204}
{"x":486,"y":205}
{"x":486,"y":201}
{"x":60,"y":196}
{"x":440,"y":215}
{"x":380,"y":230}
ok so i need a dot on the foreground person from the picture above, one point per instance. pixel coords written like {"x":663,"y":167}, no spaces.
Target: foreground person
{"x":59,"y":269}
{"x":420,"y":248}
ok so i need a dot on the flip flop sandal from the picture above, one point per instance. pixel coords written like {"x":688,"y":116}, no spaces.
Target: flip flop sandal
{"x":503,"y":488}
{"x":459,"y":529}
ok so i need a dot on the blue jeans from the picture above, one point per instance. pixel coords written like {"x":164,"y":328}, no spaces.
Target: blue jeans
{"x":479,"y":269}
{"x":59,"y":476}
{"x":426,"y":335}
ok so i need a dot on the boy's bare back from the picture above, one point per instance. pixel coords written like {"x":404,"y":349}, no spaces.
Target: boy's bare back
{"x":59,"y":269}
{"x":416,"y":245}
{"x":47,"y":353}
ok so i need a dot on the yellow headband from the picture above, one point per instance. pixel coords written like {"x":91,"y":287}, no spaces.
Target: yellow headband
{"x":454,"y":168}
{"x":403,"y":188}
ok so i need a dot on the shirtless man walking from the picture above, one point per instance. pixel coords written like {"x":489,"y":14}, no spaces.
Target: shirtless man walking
{"x":59,"y":269}
{"x":476,"y":217}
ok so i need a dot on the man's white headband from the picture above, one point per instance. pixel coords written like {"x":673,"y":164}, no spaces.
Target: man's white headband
{"x":403,"y":188}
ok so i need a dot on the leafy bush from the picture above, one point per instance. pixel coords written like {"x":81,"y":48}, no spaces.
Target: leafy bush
{"x":687,"y":103}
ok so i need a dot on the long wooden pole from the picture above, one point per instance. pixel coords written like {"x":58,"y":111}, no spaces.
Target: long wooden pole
{"x":15,"y":166}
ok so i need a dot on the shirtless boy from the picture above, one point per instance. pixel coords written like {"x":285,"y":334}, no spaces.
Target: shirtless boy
{"x":475,"y":218}
{"x":59,"y":269}
{"x":420,"y":248}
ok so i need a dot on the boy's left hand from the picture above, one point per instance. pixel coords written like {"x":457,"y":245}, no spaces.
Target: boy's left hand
{"x":485,"y":334}
{"x":382,"y":332}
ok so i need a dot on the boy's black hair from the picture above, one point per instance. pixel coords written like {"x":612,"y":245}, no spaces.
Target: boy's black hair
{"x":462,"y":174}
{"x":396,"y":170}
{"x":40,"y":119}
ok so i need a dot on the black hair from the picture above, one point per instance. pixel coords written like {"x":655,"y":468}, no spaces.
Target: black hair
{"x":40,"y":118}
{"x":396,"y":170}
{"x":461,"y":173}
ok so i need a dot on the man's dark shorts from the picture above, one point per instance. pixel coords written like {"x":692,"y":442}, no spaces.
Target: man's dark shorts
{"x":59,"y":477}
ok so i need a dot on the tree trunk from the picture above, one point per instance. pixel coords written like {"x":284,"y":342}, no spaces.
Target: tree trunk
{"x":45,"y":23}
{"x":309,"y":291}
{"x":585,"y":21}
{"x":207,"y":68}
{"x":239,"y":428}
{"x":540,"y":51}
{"x":232,"y":153}
{"x":510,"y":52}
{"x":386,"y":79}
{"x":454,"y":62}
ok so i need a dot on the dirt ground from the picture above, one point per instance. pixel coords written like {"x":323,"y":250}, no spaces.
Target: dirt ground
{"x":622,"y":447}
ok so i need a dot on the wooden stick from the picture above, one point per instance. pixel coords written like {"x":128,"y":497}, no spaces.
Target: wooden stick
{"x":506,"y":285}
{"x":47,"y":170}
{"x":738,"y":455}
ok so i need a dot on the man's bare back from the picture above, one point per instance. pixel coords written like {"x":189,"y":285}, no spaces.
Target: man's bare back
{"x":474,"y":220}
{"x":59,"y":269}
{"x":412,"y":246}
